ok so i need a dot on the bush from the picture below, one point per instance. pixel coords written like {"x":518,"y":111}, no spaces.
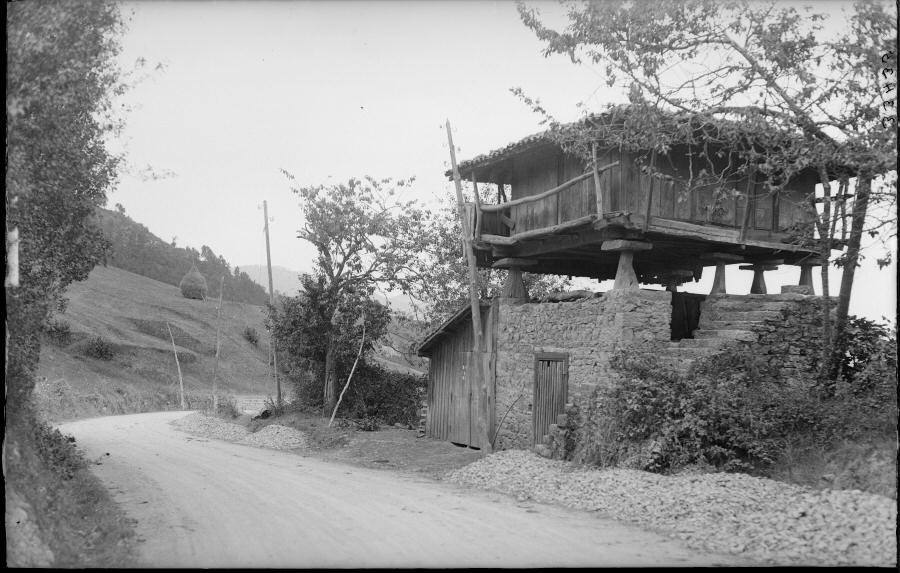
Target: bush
{"x":59,"y":332}
{"x":227,"y":409}
{"x":388,"y":396}
{"x":193,"y":285}
{"x":58,"y":451}
{"x":730,"y":411}
{"x":251,"y":336}
{"x":99,"y":348}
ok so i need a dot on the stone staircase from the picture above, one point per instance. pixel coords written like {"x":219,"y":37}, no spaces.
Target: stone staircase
{"x":726,"y":319}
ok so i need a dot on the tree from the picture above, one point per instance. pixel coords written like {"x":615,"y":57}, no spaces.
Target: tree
{"x":61,"y":74}
{"x":811,"y":102}
{"x":443,"y":275}
{"x":364,"y":237}
{"x":298,"y":324}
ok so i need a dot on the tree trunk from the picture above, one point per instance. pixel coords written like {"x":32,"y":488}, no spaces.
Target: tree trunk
{"x":858,"y":219}
{"x":330,"y":376}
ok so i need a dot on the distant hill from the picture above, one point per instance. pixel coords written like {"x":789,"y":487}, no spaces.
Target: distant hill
{"x":130,"y":313}
{"x":136,"y":249}
{"x":285,"y":281}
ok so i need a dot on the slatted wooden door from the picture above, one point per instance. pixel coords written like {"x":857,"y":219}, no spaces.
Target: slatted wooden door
{"x":461,"y":401}
{"x":551,"y":385}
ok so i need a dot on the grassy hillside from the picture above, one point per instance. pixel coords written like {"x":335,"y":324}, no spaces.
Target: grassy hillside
{"x":129,"y":313}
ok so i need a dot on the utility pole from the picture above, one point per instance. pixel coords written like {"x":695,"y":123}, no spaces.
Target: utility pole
{"x":272,"y":302}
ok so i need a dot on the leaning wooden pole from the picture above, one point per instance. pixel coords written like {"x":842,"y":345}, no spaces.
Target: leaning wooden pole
{"x":177,"y":365}
{"x":478,"y":375}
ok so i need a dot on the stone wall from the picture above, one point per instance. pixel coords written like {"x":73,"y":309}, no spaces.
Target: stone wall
{"x":589,"y":331}
{"x":788,"y":330}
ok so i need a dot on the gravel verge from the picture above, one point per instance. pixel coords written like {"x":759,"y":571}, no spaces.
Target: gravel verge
{"x":210,"y":427}
{"x":273,"y":436}
{"x":276,"y":437}
{"x":758,"y":518}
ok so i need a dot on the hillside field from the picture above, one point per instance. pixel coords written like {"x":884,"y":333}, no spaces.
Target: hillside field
{"x":130,"y":312}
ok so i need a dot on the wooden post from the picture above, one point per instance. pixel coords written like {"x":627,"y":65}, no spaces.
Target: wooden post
{"x":479,"y":216}
{"x":272,"y":341}
{"x":650,"y":190}
{"x":479,"y":378}
{"x":750,"y":186}
{"x":218,"y":343}
{"x":177,"y":365}
{"x":597,"y":192}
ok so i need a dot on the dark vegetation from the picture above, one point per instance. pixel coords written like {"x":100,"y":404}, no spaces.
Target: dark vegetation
{"x":60,"y":76}
{"x":134,"y":248}
{"x":375,"y":393}
{"x":97,"y":347}
{"x":735,"y":412}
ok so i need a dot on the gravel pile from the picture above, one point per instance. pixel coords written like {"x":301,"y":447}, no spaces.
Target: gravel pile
{"x":210,"y":427}
{"x":276,"y":437}
{"x":727,"y":513}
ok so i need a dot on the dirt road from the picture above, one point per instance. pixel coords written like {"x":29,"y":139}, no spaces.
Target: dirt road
{"x":206,"y":503}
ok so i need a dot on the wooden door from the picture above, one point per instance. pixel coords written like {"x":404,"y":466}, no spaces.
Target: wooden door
{"x":551,"y":385}
{"x":461,"y":401}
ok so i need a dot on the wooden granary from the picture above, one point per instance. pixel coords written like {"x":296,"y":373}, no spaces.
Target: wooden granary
{"x":629,"y":214}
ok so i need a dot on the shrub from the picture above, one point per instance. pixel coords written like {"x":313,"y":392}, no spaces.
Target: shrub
{"x":193,"y":285}
{"x":730,"y":411}
{"x":58,"y":451}
{"x":227,"y":409}
{"x":385,"y":395}
{"x":99,"y":348}
{"x":59,"y":332}
{"x":251,"y":335}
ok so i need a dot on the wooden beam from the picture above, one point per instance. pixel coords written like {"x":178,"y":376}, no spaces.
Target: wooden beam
{"x":625,"y":245}
{"x":507,"y":221}
{"x":514,"y":262}
{"x":751,"y":185}
{"x":723,"y":257}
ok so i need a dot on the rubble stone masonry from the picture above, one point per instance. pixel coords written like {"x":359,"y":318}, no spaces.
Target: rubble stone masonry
{"x":589,"y":331}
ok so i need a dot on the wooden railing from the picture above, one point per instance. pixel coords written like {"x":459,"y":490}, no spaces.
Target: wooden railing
{"x":504,"y":210}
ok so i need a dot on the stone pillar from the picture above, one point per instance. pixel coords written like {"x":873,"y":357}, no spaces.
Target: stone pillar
{"x":806,"y":278}
{"x":514,"y":288}
{"x":718,"y":286}
{"x":759,"y":282}
{"x":721,"y":259}
{"x":626,"y":279}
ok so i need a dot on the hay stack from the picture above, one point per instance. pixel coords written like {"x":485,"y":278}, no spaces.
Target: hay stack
{"x":193,"y":285}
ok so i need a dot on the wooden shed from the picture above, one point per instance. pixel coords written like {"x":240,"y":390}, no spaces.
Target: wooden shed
{"x":456,"y":410}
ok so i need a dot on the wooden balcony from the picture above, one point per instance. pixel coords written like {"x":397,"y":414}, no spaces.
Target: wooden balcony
{"x":563,"y":227}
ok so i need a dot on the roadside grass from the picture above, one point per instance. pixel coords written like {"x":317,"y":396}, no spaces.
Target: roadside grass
{"x":75,"y":517}
{"x":869,"y":465}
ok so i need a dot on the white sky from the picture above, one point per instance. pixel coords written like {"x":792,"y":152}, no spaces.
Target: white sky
{"x":334,"y":89}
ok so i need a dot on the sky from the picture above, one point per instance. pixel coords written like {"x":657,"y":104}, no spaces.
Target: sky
{"x":236,"y":91}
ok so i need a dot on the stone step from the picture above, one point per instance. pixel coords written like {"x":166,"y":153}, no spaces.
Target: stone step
{"x":711,"y":343}
{"x":775,"y":297}
{"x":728,"y":324}
{"x":717,"y":313}
{"x":744,"y":335}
